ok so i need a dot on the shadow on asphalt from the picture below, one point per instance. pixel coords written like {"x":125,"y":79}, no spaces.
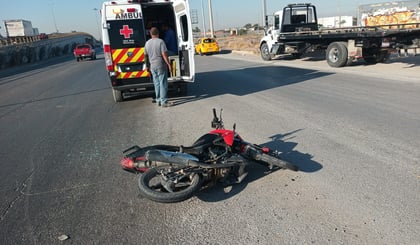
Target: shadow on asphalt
{"x":244,"y":81}
{"x":409,"y":59}
{"x":256,"y":171}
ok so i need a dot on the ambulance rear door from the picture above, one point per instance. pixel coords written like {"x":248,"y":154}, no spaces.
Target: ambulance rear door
{"x":185,"y":39}
{"x":127,"y":38}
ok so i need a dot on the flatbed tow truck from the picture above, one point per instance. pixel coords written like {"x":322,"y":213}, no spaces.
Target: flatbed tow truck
{"x":295,"y":31}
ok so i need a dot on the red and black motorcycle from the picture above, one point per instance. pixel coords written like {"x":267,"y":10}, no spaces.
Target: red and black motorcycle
{"x":174,"y":173}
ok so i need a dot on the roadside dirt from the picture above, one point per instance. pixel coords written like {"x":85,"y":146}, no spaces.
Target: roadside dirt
{"x":243,"y":43}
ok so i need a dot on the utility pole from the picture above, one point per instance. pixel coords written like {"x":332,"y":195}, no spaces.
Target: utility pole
{"x":204,"y":21}
{"x":97,"y":23}
{"x":264,"y":14}
{"x":53,"y":15}
{"x":211,"y":19}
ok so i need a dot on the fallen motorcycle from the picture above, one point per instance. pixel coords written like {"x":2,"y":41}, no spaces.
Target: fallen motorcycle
{"x":174,"y":173}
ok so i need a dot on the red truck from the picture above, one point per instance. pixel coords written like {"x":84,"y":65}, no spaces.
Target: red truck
{"x":82,"y":51}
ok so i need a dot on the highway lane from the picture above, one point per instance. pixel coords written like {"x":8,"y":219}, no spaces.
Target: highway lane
{"x":353,"y":134}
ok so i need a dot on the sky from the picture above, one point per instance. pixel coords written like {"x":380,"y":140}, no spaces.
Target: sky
{"x":83,"y":15}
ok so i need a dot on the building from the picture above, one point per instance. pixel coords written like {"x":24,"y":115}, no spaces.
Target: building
{"x":18,"y":28}
{"x":337,"y":21}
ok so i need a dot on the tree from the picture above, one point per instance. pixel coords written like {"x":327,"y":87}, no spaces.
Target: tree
{"x":256,"y":27}
{"x":242,"y":31}
{"x":247,"y":26}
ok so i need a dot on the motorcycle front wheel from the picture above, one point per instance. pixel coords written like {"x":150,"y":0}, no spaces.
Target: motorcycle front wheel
{"x":169,"y":184}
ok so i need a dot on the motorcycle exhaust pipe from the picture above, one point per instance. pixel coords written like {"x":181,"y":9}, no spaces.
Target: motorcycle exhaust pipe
{"x":182,"y":159}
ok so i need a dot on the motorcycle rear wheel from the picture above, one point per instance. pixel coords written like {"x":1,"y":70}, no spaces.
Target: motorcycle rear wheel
{"x":152,"y":185}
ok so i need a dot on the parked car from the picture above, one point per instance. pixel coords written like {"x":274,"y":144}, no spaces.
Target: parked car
{"x":43,"y":36}
{"x":83,"y":51}
{"x":207,"y":45}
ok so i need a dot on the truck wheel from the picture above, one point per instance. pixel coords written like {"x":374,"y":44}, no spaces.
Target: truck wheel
{"x":337,"y":54}
{"x":117,"y":95}
{"x":375,"y":56}
{"x":370,"y":56}
{"x":77,"y":59}
{"x":384,"y":56}
{"x":265,"y":52}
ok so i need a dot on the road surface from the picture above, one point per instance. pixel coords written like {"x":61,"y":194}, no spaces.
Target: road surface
{"x":352,"y":131}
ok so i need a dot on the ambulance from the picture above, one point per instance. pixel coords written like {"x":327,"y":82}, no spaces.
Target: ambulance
{"x":125,"y":30}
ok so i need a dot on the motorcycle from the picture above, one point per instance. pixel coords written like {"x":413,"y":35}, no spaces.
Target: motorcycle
{"x":171,"y":173}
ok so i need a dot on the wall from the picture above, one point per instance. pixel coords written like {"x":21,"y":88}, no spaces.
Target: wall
{"x":24,"y":53}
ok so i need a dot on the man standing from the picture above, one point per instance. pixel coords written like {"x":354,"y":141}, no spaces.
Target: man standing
{"x":157,"y":63}
{"x":170,"y":39}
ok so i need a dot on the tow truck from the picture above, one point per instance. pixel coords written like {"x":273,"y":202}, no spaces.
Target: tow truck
{"x":295,"y":31}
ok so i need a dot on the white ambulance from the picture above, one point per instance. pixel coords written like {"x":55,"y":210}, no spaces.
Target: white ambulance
{"x":125,"y":30}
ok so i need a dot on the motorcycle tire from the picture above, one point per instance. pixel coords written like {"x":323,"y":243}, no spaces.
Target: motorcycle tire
{"x":278,"y":162}
{"x":157,"y":192}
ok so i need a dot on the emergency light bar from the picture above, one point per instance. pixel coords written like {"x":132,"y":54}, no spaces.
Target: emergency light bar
{"x":131,"y":10}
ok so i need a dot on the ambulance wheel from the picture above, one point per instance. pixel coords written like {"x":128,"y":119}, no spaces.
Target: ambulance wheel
{"x":117,"y":95}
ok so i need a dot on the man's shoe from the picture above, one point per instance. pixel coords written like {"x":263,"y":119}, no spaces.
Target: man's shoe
{"x":154,"y":101}
{"x":166,"y":105}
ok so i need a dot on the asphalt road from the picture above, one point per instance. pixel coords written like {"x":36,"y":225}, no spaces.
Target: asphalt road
{"x":353,"y":132}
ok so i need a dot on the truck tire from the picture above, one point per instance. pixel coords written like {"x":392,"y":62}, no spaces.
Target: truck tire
{"x":265,"y":52}
{"x":372,"y":58}
{"x":337,"y":54}
{"x":117,"y":95}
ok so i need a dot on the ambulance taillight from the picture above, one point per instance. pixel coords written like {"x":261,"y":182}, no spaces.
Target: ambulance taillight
{"x":108,"y":58}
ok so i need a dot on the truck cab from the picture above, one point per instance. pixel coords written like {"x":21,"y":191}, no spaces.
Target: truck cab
{"x":296,"y":18}
{"x":292,"y":19}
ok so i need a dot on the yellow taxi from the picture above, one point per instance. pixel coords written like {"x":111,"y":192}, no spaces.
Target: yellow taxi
{"x":207,"y":45}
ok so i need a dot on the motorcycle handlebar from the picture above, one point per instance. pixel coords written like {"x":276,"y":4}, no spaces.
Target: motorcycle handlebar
{"x":217,"y":122}
{"x":214,"y":114}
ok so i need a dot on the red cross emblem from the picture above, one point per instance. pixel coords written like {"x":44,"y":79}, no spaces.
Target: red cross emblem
{"x":126,"y":31}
